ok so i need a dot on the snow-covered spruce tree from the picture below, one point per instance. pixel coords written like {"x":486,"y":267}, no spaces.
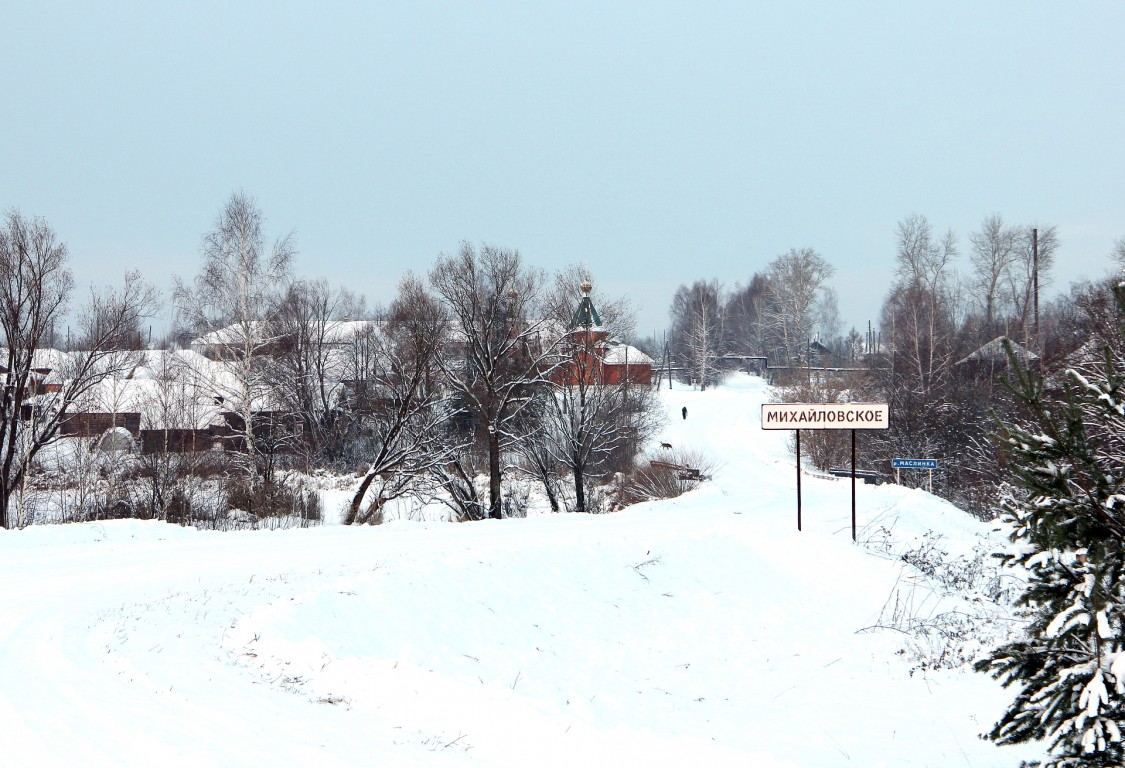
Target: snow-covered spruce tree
{"x":1069,"y":534}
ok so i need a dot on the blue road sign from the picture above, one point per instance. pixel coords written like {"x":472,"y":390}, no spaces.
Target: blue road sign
{"x":914,"y":463}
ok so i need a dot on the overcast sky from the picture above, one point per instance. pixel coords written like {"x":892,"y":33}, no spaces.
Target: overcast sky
{"x":658,"y":143}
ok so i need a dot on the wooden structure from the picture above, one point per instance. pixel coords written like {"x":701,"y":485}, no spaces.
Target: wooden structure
{"x":93,"y":424}
{"x":179,"y":441}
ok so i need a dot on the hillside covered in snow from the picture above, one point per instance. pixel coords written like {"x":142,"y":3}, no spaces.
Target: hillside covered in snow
{"x":703,"y":630}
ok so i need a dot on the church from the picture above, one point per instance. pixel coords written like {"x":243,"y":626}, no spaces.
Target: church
{"x":594,"y":356}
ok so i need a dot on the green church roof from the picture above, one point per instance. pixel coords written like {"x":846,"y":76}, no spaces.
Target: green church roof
{"x":586,"y":316}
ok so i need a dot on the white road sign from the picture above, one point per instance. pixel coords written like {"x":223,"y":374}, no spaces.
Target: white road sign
{"x":826,"y":416}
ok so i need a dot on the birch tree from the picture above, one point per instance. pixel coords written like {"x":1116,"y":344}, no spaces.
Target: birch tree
{"x":698,"y":330}
{"x":233,"y":306}
{"x":919,"y":315}
{"x":796,"y":281}
{"x":992,"y":252}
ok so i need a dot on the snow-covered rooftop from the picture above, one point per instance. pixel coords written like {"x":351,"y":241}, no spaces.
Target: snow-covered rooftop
{"x":621,"y":354}
{"x":993,"y":352}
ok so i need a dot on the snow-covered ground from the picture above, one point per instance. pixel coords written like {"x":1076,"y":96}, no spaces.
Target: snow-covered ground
{"x":699,"y":631}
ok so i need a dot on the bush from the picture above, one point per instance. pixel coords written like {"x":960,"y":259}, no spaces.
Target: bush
{"x":665,"y":476}
{"x":949,"y":608}
{"x":269,"y":500}
{"x":823,"y":448}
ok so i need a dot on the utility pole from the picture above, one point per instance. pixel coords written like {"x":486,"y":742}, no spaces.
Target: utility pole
{"x":667,"y":360}
{"x":1035,"y":273}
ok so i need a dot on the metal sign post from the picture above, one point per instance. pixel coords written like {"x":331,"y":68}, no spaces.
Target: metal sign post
{"x":914,"y":463}
{"x":798,"y":434}
{"x":798,"y":416}
{"x":853,"y":485}
{"x":930,"y":464}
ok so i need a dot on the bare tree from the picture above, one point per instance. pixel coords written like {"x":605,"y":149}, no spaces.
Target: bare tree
{"x":454,"y":485}
{"x":1118,"y":254}
{"x":588,"y":424}
{"x":796,"y":281}
{"x":173,"y":410}
{"x":594,"y":426}
{"x":35,"y":288}
{"x":494,"y":302}
{"x":538,"y":453}
{"x":992,"y":253}
{"x":826,"y":314}
{"x":745,"y":309}
{"x":404,"y":402}
{"x":1035,"y":249}
{"x":311,"y":365}
{"x":919,"y":315}
{"x":698,"y":330}
{"x":854,"y":345}
{"x":233,"y":307}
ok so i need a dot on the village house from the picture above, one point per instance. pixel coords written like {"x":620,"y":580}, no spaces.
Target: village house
{"x":173,"y":401}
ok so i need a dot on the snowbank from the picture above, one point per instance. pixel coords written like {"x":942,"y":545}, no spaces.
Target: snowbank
{"x":704,"y":630}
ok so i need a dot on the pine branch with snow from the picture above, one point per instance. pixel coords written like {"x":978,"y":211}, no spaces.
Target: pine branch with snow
{"x":1068,"y":536}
